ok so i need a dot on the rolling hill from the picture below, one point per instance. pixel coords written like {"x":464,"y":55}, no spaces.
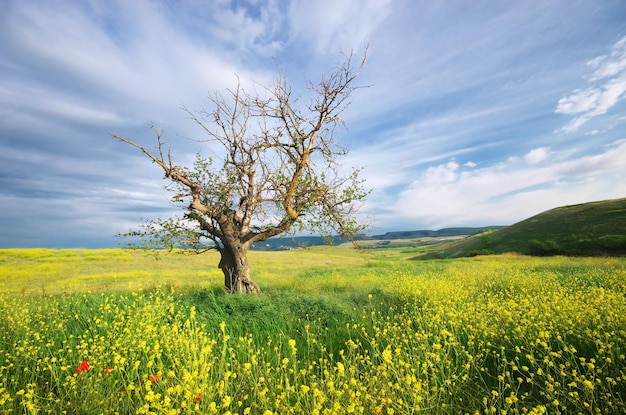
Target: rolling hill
{"x":588,"y":229}
{"x":416,"y":237}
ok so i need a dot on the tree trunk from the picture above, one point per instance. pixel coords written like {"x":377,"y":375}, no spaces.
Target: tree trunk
{"x":234,"y":265}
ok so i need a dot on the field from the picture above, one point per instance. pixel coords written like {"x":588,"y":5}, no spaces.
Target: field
{"x":336,"y":331}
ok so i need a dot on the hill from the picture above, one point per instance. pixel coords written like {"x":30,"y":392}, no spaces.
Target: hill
{"x":417,"y":237}
{"x":441,"y":233}
{"x":588,"y":229}
{"x":285,"y":243}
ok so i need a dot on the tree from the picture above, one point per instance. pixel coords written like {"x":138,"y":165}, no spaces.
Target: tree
{"x":278,"y":172}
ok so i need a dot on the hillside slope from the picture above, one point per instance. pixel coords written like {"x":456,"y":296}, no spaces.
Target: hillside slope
{"x":588,"y":229}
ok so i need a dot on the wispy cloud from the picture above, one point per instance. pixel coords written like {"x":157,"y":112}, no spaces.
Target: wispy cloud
{"x":328,"y":25}
{"x":607,"y":87}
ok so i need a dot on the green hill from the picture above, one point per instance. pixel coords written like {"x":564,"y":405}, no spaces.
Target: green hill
{"x":588,"y":229}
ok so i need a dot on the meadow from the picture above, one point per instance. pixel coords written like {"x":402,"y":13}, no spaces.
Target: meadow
{"x":336,"y":331}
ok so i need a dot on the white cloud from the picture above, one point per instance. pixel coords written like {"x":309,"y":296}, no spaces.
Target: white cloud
{"x":607,"y":89}
{"x":233,"y":28}
{"x":154,"y":65}
{"x":332,"y":25}
{"x":537,"y":155}
{"x":53,"y":104}
{"x":579,"y":101}
{"x":611,"y":65}
{"x":442,"y":174}
{"x":446,"y":195}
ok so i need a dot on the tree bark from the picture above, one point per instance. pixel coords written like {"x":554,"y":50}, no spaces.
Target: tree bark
{"x":234,"y":265}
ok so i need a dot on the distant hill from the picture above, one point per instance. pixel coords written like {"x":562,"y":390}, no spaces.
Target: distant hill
{"x":441,"y":233}
{"x":588,"y":229}
{"x":284,"y":243}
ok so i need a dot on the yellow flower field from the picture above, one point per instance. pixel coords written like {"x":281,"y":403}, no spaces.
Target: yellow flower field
{"x":335,"y":332}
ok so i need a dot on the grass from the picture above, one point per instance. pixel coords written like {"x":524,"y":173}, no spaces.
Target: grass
{"x":336,"y":331}
{"x":37,"y":271}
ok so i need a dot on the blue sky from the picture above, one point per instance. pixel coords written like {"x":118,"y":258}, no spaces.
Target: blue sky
{"x":478,"y":113}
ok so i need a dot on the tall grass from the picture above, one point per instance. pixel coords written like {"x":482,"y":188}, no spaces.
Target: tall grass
{"x":335,"y":332}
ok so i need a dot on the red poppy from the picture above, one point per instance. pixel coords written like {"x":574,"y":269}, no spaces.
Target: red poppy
{"x":154,"y":378}
{"x":107,"y":370}
{"x":198,"y":396}
{"x":83,"y":367}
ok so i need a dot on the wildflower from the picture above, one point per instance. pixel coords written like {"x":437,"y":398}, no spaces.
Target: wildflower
{"x":83,"y":367}
{"x":107,"y":370}
{"x":154,"y":378}
{"x":387,"y":355}
{"x":226,"y":401}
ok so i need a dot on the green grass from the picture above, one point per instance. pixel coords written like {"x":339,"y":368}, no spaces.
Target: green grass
{"x":588,"y":229}
{"x":38,"y":271}
{"x":335,"y":331}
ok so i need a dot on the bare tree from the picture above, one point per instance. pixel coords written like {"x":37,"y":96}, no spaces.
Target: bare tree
{"x":278,"y":172}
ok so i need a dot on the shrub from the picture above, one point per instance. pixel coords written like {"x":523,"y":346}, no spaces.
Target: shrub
{"x":538,"y":248}
{"x":613,"y":243}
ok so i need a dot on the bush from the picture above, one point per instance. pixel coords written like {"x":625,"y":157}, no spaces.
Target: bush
{"x":613,"y":243}
{"x":481,"y":252}
{"x":538,"y":248}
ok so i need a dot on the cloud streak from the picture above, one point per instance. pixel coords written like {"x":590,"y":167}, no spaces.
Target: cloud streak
{"x":607,"y":88}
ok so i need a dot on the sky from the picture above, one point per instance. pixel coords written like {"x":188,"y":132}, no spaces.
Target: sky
{"x":476,"y":113}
